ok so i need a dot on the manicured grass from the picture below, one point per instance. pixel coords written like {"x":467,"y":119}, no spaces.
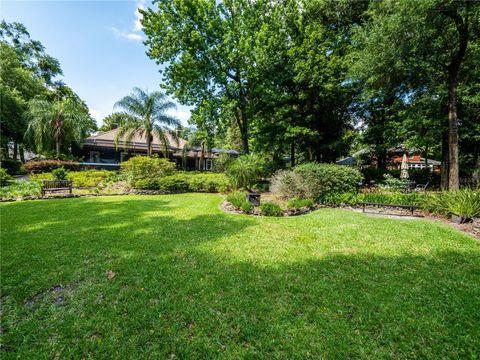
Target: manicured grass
{"x":194,"y":283}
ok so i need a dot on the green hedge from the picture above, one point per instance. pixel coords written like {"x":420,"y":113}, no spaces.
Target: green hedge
{"x":144,"y":167}
{"x":185,"y":182}
{"x":382,"y":197}
{"x":81,"y":179}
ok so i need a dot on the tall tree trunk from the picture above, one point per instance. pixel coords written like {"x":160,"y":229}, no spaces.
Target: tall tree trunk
{"x":202,"y":157}
{"x":57,"y":148}
{"x":15,"y":150}
{"x":22,"y":153}
{"x":444,"y":171}
{"x":149,"y":145}
{"x":292,"y":154}
{"x":453,"y":71}
{"x":426,"y":157}
{"x":453,"y":171}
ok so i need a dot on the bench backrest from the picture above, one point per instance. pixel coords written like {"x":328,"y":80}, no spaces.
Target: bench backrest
{"x":57,"y":184}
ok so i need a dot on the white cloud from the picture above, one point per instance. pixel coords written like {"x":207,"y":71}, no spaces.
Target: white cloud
{"x":140,"y":5}
{"x":136,"y":33}
{"x":129,"y":36}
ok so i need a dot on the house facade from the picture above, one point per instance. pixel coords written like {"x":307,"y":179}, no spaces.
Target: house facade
{"x":101,"y":151}
{"x":366,"y":157}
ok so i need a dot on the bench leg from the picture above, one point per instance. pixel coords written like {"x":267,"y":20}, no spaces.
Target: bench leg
{"x":363,"y":209}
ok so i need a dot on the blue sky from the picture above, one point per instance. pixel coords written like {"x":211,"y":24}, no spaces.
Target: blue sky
{"x":99,"y":46}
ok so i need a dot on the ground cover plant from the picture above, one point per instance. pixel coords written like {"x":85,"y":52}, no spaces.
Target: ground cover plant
{"x":173,"y":276}
{"x":81,"y":179}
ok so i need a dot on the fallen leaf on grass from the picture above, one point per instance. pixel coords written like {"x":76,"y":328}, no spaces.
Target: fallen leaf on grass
{"x":111,"y":274}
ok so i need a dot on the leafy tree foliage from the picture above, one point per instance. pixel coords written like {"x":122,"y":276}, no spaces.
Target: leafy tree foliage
{"x":412,"y":55}
{"x":32,"y":96}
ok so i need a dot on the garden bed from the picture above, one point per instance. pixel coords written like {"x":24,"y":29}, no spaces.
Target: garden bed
{"x":229,"y":208}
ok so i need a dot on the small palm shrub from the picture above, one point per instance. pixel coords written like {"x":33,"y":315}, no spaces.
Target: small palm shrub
{"x":60,"y":173}
{"x":144,"y":167}
{"x":239,"y":200}
{"x":270,"y":209}
{"x":299,"y":203}
{"x":464,"y":203}
{"x":5,"y":179}
{"x":245,"y":171}
{"x":12,"y":166}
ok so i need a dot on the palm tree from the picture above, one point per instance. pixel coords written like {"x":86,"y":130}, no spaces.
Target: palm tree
{"x":59,"y":122}
{"x":146,"y":113}
{"x":196,"y":138}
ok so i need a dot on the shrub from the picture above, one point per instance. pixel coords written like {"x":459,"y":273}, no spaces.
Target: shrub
{"x":83,"y":179}
{"x":270,"y":209}
{"x":239,"y":200}
{"x":172,"y":184}
{"x":5,"y":179}
{"x":20,"y":189}
{"x":144,"y":167}
{"x":60,"y":173}
{"x":88,"y":178}
{"x":222,"y":162}
{"x":297,"y":203}
{"x":381,"y":197}
{"x":287,"y":184}
{"x":464,"y":203}
{"x":38,"y":166}
{"x":185,"y":181}
{"x":314,"y":181}
{"x":12,"y":166}
{"x":245,"y":171}
{"x":41,"y":176}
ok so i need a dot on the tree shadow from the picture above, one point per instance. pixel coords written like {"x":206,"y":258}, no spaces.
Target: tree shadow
{"x":176,"y":294}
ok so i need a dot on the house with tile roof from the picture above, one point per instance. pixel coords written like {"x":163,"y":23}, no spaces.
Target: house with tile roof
{"x":102,"y":151}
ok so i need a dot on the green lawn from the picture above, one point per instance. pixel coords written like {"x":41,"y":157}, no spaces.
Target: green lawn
{"x":194,"y":283}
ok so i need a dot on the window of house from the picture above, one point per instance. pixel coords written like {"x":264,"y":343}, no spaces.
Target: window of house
{"x":123,"y":156}
{"x":94,"y":156}
{"x":209,"y":164}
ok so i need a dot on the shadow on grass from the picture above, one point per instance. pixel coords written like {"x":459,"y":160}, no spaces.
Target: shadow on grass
{"x":193,"y":305}
{"x":174,"y":297}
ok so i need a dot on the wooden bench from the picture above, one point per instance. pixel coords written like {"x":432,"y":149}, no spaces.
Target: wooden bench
{"x":56,"y":185}
{"x":409,"y":207}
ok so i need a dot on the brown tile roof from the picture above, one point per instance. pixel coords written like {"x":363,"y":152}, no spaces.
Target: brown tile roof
{"x":107,"y":139}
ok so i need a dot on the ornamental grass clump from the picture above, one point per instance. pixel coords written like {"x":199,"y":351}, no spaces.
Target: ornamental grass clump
{"x":464,"y":203}
{"x":299,"y":203}
{"x":315,"y":181}
{"x":239,"y":200}
{"x":270,"y":209}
